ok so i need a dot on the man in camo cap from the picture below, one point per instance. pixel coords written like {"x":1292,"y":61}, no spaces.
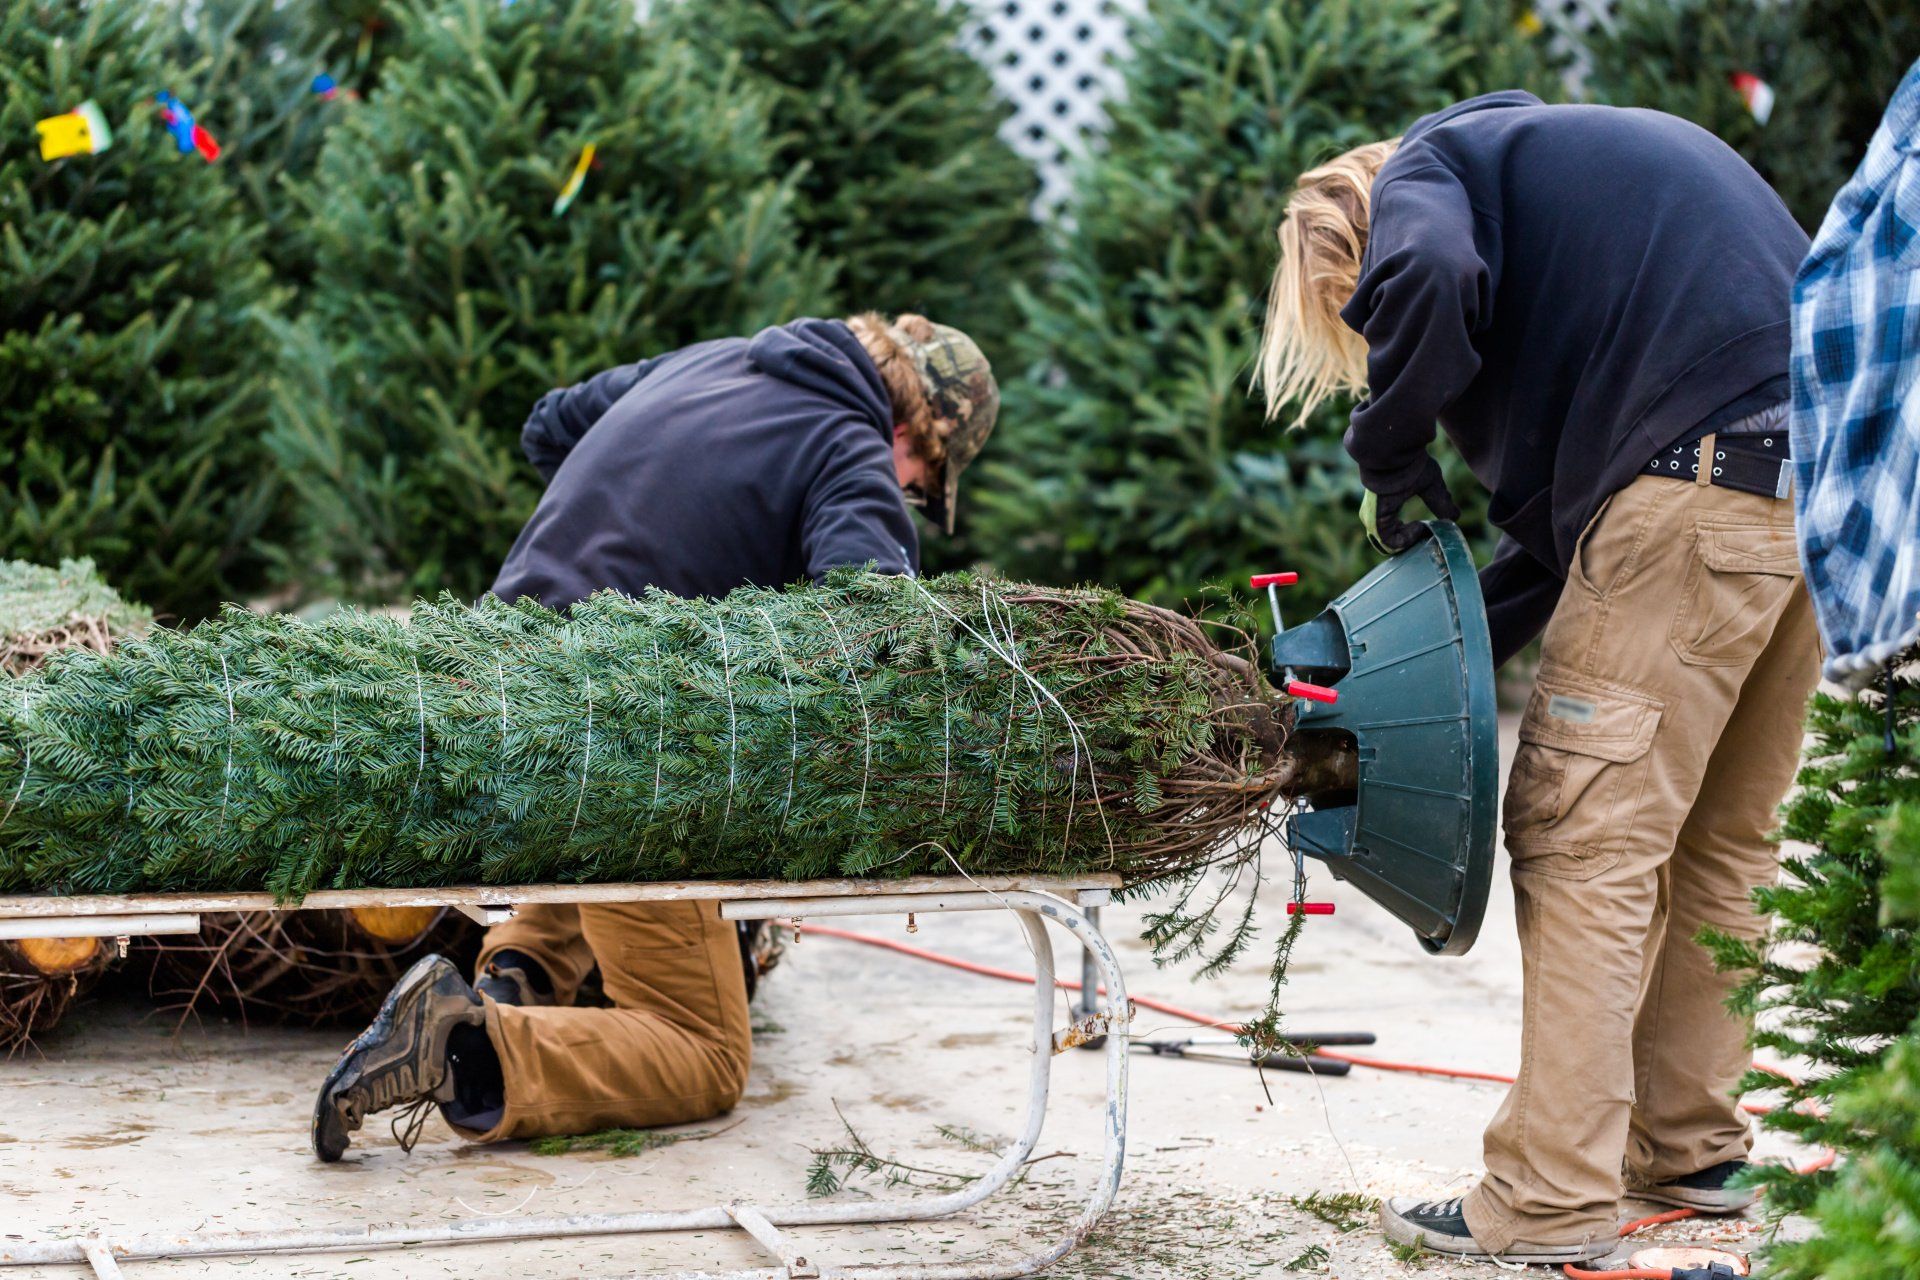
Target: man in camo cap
{"x":964,"y":401}
{"x":765,"y":461}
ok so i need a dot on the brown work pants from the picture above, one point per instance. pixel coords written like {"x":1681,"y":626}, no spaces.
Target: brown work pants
{"x":675,"y":1046}
{"x":1661,"y":735}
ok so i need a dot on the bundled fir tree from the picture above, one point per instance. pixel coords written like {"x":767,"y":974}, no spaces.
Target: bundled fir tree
{"x":308,"y":968}
{"x":452,"y":289}
{"x":44,"y":611}
{"x":874,"y":726}
{"x":1838,"y":979}
{"x":132,"y":354}
{"x":1681,"y":56}
{"x":1136,"y":455}
{"x":904,"y":181}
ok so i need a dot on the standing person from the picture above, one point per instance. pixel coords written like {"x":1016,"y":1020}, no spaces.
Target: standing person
{"x":1593,"y":304}
{"x":759,"y":461}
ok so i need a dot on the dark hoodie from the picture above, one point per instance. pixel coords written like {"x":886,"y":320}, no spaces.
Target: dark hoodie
{"x":759,"y":461}
{"x":1568,"y":291}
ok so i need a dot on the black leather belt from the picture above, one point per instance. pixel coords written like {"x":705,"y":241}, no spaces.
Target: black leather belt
{"x":1751,"y":464}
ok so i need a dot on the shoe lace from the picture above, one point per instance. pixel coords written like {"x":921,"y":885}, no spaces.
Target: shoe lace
{"x":409,"y":1121}
{"x":1440,"y":1208}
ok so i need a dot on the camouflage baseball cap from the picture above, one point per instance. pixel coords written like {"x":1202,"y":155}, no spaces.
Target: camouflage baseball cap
{"x":965,"y":401}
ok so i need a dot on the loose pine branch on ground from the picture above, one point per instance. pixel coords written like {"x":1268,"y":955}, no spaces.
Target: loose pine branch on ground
{"x":623,"y":1142}
{"x":834,"y":1167}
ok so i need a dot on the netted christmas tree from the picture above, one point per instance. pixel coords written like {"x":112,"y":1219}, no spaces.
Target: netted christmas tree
{"x":45,"y":611}
{"x":1136,"y":455}
{"x":132,"y":354}
{"x":906,"y":184}
{"x":1688,"y":57}
{"x":452,"y":290}
{"x":873,"y":726}
{"x":1838,"y":979}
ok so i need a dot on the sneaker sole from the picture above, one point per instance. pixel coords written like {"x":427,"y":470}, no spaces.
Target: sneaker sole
{"x":1400,"y":1231}
{"x":1718,"y":1203}
{"x":380,"y":1027}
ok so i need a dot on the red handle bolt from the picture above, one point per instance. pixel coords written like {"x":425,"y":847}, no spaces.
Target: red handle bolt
{"x":1312,"y":692}
{"x":1309,"y":908}
{"x":1259,"y":580}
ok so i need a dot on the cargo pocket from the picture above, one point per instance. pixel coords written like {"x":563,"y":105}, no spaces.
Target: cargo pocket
{"x":1578,"y":776}
{"x":1739,"y":580}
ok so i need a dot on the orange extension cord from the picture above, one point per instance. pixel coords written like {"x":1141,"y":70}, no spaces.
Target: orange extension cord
{"x":1378,"y":1064}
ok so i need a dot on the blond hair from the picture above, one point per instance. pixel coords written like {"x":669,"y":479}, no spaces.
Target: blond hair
{"x":885,"y":341}
{"x":1308,"y":354}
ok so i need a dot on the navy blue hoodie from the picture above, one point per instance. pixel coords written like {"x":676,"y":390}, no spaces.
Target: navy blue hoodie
{"x":762,"y":461}
{"x":1567,"y":291}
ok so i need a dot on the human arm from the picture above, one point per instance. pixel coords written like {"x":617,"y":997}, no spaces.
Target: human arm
{"x":854,"y":513}
{"x":1520,"y":594}
{"x":1425,"y":288}
{"x":562,"y":416}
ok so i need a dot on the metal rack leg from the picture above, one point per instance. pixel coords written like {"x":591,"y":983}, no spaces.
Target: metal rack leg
{"x":1032,"y":909}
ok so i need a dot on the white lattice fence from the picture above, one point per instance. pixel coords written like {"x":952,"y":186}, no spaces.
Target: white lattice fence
{"x":1057,"y":61}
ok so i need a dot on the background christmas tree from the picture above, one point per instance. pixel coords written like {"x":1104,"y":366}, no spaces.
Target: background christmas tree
{"x":1679,"y":55}
{"x":133,"y":361}
{"x":906,"y":184}
{"x":449,"y":296}
{"x":250,"y":69}
{"x":1838,"y":979}
{"x":1135,"y":455}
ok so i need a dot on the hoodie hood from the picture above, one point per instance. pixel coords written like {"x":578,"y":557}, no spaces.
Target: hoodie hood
{"x":823,"y":357}
{"x":1485,"y":102}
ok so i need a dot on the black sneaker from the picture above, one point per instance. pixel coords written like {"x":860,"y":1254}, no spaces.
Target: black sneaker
{"x":515,"y":978}
{"x":1441,"y":1226}
{"x":400,"y":1060}
{"x":1706,"y":1190}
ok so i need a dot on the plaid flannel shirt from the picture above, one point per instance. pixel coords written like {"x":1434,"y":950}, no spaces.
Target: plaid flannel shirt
{"x":1856,"y":403}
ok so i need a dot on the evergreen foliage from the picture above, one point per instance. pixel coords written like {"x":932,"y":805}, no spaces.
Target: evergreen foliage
{"x":1838,"y":980}
{"x":875,"y":726}
{"x":448,"y":295}
{"x":904,"y":182}
{"x":132,"y":355}
{"x":1677,"y":55}
{"x":45,"y":610}
{"x":250,"y":71}
{"x":1135,"y":455}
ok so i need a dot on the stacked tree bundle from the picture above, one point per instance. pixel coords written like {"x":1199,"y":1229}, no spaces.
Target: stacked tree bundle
{"x":872,"y":726}
{"x":44,"y":611}
{"x":312,"y":968}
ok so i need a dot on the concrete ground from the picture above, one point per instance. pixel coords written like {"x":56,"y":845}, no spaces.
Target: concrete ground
{"x":119,"y":1124}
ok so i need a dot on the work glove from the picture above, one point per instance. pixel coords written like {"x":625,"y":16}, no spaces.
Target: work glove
{"x":1380,"y":512}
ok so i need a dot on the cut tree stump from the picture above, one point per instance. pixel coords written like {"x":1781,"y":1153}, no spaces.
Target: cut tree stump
{"x":40,"y":978}
{"x":317,"y":968}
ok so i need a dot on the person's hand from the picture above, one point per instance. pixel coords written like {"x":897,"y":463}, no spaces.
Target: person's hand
{"x":1380,"y":512}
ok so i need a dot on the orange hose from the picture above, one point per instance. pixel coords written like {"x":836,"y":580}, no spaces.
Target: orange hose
{"x":1820,"y":1161}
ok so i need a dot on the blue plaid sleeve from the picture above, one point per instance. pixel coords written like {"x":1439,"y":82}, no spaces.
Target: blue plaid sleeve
{"x":1856,"y":403}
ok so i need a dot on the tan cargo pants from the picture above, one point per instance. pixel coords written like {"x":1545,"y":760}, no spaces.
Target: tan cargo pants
{"x":673,"y":1049}
{"x":1661,"y":735}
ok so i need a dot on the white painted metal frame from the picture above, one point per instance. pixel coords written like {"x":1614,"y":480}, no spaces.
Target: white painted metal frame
{"x":1034,"y":902}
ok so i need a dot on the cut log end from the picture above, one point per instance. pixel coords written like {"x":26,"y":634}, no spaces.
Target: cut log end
{"x":58,"y":957}
{"x":396,"y":925}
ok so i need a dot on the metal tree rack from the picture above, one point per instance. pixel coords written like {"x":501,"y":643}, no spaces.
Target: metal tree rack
{"x":1071,"y":904}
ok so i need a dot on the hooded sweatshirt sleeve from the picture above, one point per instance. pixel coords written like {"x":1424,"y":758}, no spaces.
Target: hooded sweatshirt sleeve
{"x":854,"y":514}
{"x":1424,"y":289}
{"x":1520,"y":595}
{"x":562,"y":416}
